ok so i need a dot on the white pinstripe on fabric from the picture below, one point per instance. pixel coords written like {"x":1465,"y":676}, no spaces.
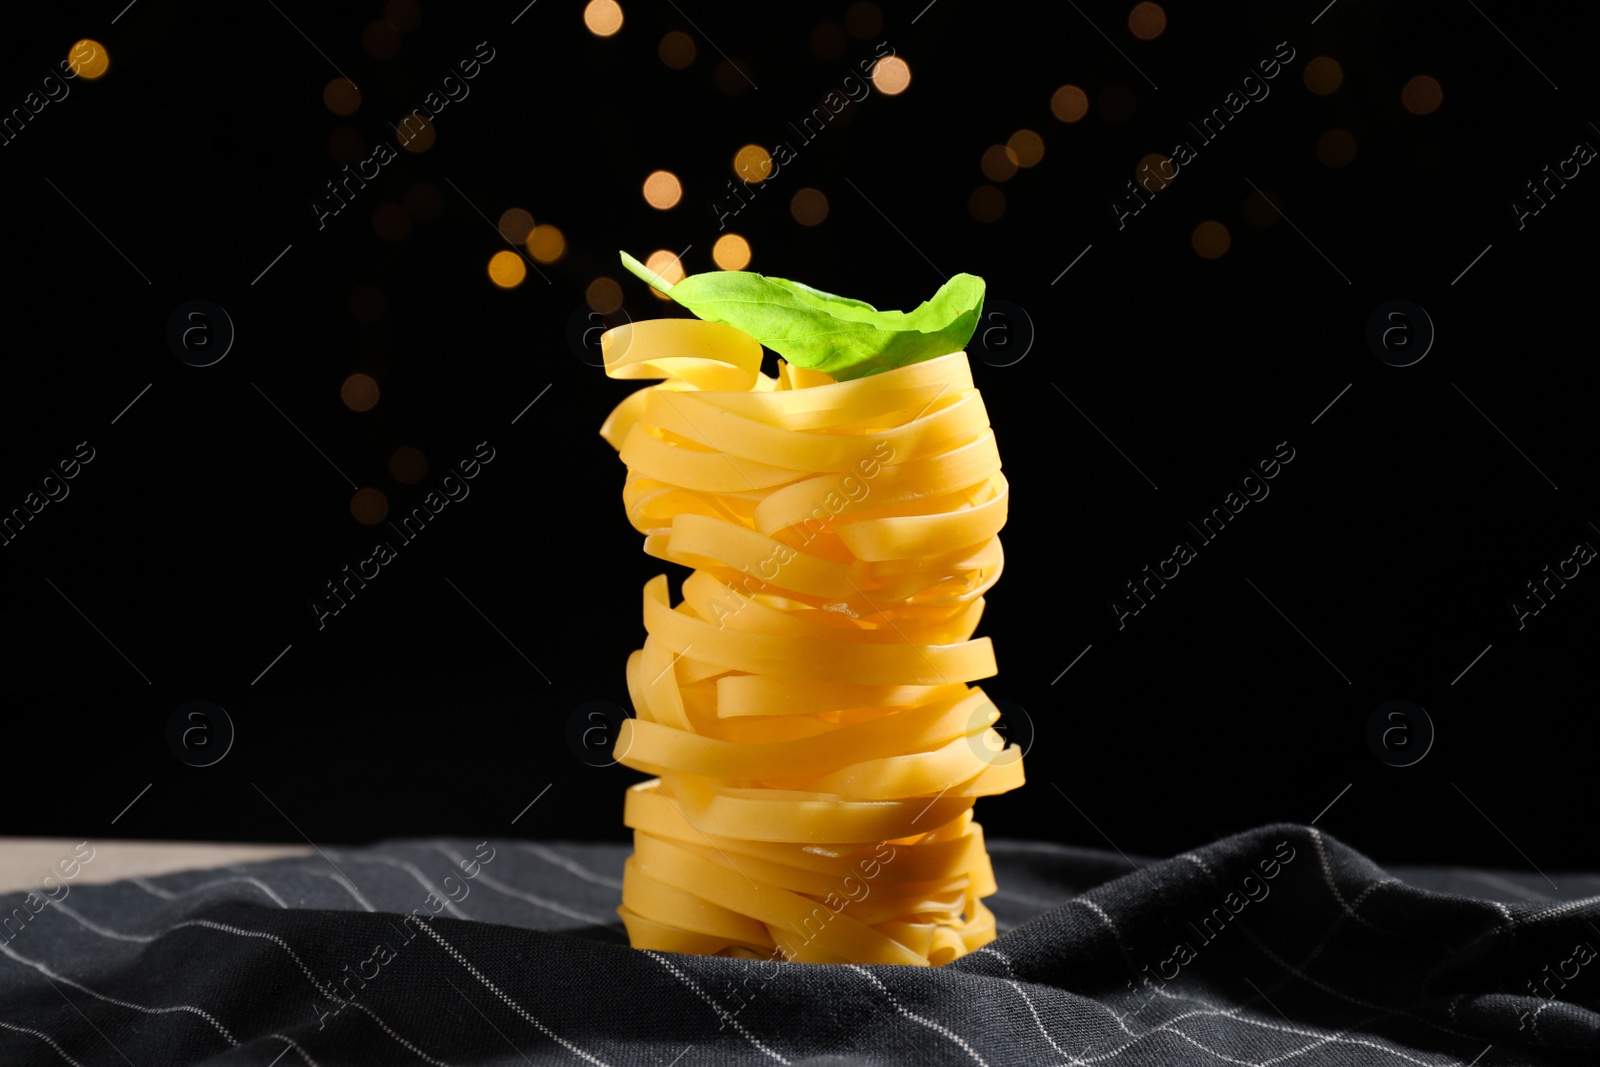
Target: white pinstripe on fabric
{"x":167,"y":894}
{"x":46,"y":1038}
{"x":914,"y":1017}
{"x":48,"y":973}
{"x":1210,"y":1009}
{"x":1074,"y":1060}
{"x":1327,"y":876}
{"x":1104,"y":916}
{"x":1292,"y":971}
{"x":1300,"y":974}
{"x":210,"y":924}
{"x":1327,"y":938}
{"x":551,"y":856}
{"x":347,"y":885}
{"x":410,"y":869}
{"x":1533,"y":1020}
{"x":703,"y":995}
{"x":1504,"y":927}
{"x":522,"y":894}
{"x":1298,"y":971}
{"x":1559,"y":909}
{"x":513,"y":1005}
{"x":304,"y":1055}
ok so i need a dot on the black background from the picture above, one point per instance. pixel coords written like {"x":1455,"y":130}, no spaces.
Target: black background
{"x":185,"y":557}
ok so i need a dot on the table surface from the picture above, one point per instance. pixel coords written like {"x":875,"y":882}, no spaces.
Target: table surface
{"x":24,"y":861}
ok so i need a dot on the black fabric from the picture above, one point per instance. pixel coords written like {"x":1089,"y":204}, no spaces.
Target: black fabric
{"x":1318,"y":957}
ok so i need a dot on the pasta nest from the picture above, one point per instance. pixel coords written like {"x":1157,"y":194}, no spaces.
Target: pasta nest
{"x":805,"y":708}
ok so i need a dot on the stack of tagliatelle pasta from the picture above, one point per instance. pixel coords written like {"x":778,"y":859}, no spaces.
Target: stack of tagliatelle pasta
{"x":805,"y":707}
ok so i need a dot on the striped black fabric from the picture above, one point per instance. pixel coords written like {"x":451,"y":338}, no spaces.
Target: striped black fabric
{"x":1276,"y":946}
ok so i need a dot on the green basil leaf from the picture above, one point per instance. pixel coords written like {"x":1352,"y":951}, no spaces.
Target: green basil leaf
{"x":839,"y":336}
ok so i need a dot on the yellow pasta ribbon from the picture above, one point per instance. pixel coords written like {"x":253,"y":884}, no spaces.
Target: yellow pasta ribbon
{"x":805,"y":707}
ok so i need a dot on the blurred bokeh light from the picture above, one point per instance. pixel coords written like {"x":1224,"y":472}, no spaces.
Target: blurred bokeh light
{"x":809,"y":206}
{"x":515,"y":224}
{"x":603,"y":17}
{"x":369,"y":506}
{"x":603,"y":295}
{"x":1069,"y":103}
{"x":1210,"y":239}
{"x":359,"y":392}
{"x":667,"y":265}
{"x":1323,"y":75}
{"x":1147,"y":21}
{"x":546,"y":244}
{"x":731,"y":252}
{"x":662,"y":190}
{"x":1153,"y":170}
{"x":752,"y":163}
{"x":1027,"y":148}
{"x":341,"y":96}
{"x":998,"y":163}
{"x":1422,"y":95}
{"x":506,"y":269}
{"x":89,"y":58}
{"x":891,"y":75}
{"x":676,"y":49}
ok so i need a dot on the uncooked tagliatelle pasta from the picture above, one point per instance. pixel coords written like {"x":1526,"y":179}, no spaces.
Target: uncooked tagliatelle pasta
{"x":805,"y":707}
